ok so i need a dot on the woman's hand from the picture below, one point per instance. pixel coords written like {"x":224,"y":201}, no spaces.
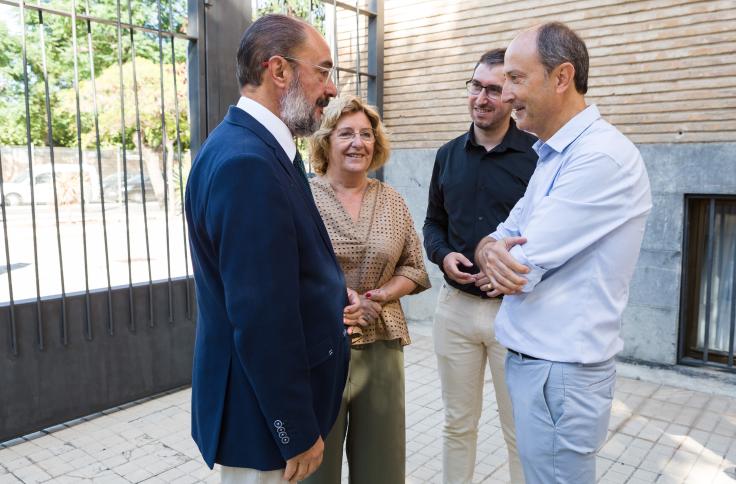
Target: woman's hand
{"x":360,"y":312}
{"x":379,"y":296}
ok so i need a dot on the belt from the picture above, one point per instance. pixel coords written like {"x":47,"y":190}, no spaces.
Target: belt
{"x":522,"y":355}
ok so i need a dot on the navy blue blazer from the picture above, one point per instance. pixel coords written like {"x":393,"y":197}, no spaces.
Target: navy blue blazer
{"x":271,"y":353}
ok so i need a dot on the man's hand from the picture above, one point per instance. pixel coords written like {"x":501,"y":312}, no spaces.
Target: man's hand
{"x":450,"y":266}
{"x":355,"y":313}
{"x":499,"y":266}
{"x":303,"y":465}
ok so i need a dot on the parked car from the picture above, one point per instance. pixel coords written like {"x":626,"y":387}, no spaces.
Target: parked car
{"x":18,"y":190}
{"x":114,"y":187}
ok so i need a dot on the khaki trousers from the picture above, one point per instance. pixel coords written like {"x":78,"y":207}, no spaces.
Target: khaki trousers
{"x":371,"y":423}
{"x":244,"y":475}
{"x":464,"y":340}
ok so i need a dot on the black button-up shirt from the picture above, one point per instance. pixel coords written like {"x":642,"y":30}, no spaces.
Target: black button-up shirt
{"x":472,"y":191}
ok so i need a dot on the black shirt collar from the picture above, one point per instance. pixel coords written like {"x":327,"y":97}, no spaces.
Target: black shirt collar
{"x":513,"y":139}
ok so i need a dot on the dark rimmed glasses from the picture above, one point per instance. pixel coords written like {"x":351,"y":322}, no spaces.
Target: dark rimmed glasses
{"x":493,"y":91}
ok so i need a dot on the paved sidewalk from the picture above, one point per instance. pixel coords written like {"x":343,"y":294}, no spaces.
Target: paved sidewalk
{"x":658,"y":433}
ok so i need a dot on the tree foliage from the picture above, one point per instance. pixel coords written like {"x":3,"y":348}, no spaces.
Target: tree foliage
{"x":51,"y":53}
{"x":312,"y":11}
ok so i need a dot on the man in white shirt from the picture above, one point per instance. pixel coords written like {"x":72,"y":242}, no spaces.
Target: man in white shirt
{"x":564,"y":259}
{"x":271,"y":353}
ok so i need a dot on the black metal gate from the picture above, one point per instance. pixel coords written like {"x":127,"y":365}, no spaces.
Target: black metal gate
{"x":102,"y":106}
{"x":96,"y":304}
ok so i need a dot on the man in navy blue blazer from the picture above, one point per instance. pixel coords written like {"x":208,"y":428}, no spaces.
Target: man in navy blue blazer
{"x":271,"y":351}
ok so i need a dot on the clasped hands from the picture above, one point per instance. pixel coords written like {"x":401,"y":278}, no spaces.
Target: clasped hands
{"x":363,"y":309}
{"x":499,"y":272}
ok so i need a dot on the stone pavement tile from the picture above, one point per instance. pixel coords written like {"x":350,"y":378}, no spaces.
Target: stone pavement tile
{"x":680,"y":464}
{"x":31,"y":474}
{"x":643,"y":475}
{"x":91,"y":471}
{"x":601,"y":466}
{"x":726,"y":425}
{"x":657,"y":458}
{"x":669,"y":479}
{"x":643,"y":388}
{"x":719,"y":444}
{"x":698,"y":400}
{"x":627,"y":401}
{"x":653,"y":430}
{"x":138,"y":475}
{"x":696,"y":440}
{"x":615,"y":446}
{"x":675,"y":435}
{"x":187,"y":479}
{"x":623,"y":471}
{"x":641,"y":443}
{"x":718,"y":404}
{"x":687,"y":416}
{"x":634,"y":425}
{"x":110,"y":478}
{"x":9,"y":479}
{"x":16,"y":463}
{"x":633,"y":456}
{"x":705,"y":469}
{"x":662,"y":410}
{"x":677,"y":396}
{"x":707,"y":420}
{"x":425,"y":474}
{"x":55,"y":467}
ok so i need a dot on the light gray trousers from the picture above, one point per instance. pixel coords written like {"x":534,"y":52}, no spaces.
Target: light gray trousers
{"x":561,"y":412}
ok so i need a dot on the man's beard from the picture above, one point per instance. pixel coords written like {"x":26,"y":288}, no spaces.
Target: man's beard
{"x":297,"y":113}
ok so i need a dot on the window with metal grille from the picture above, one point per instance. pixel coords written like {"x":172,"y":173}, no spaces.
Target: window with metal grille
{"x":708,"y":303}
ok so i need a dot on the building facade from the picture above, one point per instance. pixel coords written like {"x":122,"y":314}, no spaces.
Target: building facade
{"x":664,"y":73}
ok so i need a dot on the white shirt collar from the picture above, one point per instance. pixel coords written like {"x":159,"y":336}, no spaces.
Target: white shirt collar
{"x":271,"y":122}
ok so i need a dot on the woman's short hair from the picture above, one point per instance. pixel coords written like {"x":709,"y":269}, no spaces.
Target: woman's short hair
{"x":319,"y":143}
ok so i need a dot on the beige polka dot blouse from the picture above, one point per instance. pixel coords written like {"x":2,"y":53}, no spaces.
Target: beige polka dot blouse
{"x":382,"y":244}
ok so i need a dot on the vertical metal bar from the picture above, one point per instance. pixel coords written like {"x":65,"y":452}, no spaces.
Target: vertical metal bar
{"x":164,"y":151}
{"x":123,"y":137}
{"x":733,"y":304}
{"x":375,"y":61}
{"x":375,"y":56}
{"x":684,"y":279}
{"x":75,"y":54}
{"x":140,"y":164}
{"x":709,"y":275}
{"x":719,"y":262}
{"x":50,"y":140}
{"x":334,"y":30}
{"x":196,"y":68}
{"x":29,"y":144}
{"x":181,"y":161}
{"x":357,"y":48}
{"x":110,"y":320}
{"x":13,"y":334}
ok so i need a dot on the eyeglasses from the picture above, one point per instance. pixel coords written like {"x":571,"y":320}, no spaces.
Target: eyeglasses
{"x":366,"y":135}
{"x":493,"y":91}
{"x":326,"y":72}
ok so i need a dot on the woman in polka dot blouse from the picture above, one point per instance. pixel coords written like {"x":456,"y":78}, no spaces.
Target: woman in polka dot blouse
{"x":378,"y":249}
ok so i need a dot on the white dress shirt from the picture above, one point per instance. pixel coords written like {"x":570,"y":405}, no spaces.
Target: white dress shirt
{"x":271,"y":122}
{"x":583,"y":215}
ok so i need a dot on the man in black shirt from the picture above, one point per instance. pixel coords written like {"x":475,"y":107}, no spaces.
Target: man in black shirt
{"x":477,"y":179}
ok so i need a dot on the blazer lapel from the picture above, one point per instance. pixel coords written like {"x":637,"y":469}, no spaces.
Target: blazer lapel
{"x":237,"y":116}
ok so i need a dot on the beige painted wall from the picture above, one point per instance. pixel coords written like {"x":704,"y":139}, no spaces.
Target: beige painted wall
{"x":663,"y":71}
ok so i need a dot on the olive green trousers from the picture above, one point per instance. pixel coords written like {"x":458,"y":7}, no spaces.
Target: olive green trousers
{"x":371,"y":422}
